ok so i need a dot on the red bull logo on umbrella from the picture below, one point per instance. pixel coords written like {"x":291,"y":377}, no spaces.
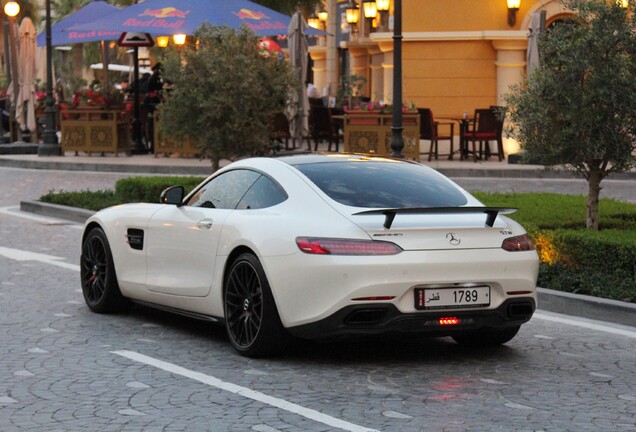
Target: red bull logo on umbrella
{"x":168,"y":12}
{"x":246,"y":14}
{"x":165,"y":18}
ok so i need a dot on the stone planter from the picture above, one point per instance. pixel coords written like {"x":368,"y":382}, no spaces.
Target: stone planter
{"x":370,"y":132}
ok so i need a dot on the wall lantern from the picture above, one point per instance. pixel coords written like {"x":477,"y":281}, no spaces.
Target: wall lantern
{"x":370,"y":8}
{"x":162,"y":41}
{"x":623,"y":3}
{"x":323,"y":15}
{"x":383,"y":5}
{"x":352,"y":12}
{"x":314,"y":21}
{"x":179,"y":39}
{"x":513,"y":7}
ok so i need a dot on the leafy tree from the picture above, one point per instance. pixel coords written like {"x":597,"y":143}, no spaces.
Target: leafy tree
{"x":579,"y":108}
{"x":224,"y":93}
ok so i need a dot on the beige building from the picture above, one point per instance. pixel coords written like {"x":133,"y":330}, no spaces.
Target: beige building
{"x":456,"y":55}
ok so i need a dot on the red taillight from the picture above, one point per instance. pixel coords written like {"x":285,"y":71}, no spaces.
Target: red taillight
{"x":518,"y":243}
{"x":327,"y":246}
{"x":448,"y":321}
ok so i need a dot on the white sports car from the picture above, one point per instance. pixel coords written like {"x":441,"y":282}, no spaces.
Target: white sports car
{"x":317,"y":246}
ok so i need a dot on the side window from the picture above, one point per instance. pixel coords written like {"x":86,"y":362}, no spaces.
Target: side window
{"x":263,"y":193}
{"x":224,"y":191}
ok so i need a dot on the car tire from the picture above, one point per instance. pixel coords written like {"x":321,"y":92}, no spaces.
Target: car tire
{"x":489,"y":337}
{"x":251,"y":318}
{"x":97,"y":270}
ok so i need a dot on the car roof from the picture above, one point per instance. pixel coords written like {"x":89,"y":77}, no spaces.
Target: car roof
{"x":303,"y":159}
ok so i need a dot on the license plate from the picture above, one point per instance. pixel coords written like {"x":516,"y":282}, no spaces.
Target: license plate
{"x":444,"y":298}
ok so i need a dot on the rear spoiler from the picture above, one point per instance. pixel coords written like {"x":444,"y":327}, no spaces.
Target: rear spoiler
{"x":490,"y":212}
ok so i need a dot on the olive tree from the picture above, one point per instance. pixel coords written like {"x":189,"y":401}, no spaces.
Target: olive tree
{"x":223,"y":94}
{"x":578,"y":109}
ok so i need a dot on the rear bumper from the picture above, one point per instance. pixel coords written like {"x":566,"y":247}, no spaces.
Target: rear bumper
{"x":386,"y":318}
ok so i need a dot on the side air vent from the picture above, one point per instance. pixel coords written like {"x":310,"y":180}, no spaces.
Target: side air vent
{"x":135,"y":238}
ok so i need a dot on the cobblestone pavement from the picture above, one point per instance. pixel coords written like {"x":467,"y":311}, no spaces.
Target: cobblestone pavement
{"x":64,"y":368}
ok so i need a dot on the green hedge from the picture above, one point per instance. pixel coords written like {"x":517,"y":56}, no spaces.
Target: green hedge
{"x":574,"y":259}
{"x":601,"y":264}
{"x":131,"y":189}
{"x":148,"y":189}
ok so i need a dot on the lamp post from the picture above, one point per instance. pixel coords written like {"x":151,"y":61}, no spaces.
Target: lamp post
{"x":50,"y":145}
{"x":397,"y":142}
{"x":11,"y":10}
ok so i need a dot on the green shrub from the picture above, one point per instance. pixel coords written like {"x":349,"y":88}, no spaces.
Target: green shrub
{"x":90,"y":200}
{"x":598,"y":263}
{"x":558,"y":211}
{"x":148,"y":189}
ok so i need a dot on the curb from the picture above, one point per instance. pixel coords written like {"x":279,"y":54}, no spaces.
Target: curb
{"x":585,"y":306}
{"x":105,"y":167}
{"x":72,"y":214}
{"x":549,"y":300}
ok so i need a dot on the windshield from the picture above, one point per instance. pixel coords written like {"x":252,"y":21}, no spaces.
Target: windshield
{"x":383,"y":184}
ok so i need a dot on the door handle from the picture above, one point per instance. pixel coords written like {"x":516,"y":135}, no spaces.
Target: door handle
{"x":205,"y":224}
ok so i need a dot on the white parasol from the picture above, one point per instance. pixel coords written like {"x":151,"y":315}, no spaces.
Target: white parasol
{"x":298,"y":106}
{"x":534,"y":30}
{"x":25,"y":108}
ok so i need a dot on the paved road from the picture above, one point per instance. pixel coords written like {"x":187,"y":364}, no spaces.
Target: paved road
{"x":64,"y":368}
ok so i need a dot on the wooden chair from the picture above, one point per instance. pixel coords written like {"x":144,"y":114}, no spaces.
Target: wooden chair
{"x":483,"y":129}
{"x":279,"y":130}
{"x":322,"y":127}
{"x":430,"y":130}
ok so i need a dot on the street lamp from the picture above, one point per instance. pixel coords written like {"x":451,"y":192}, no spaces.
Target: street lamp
{"x":50,"y":145}
{"x":162,"y":41}
{"x":11,"y":10}
{"x":179,"y":39}
{"x":397,"y":141}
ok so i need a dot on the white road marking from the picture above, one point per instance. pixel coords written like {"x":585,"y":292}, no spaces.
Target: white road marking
{"x":607,"y":328}
{"x":245,"y":392}
{"x":22,"y":255}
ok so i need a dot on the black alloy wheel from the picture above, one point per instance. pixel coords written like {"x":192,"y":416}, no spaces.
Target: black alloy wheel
{"x":99,"y":282}
{"x":252,"y":321}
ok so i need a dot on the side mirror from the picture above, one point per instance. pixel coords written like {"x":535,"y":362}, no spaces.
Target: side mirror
{"x":173,"y":195}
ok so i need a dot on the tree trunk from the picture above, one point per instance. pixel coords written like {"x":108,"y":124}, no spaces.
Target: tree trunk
{"x":594,"y":190}
{"x":78,"y":60}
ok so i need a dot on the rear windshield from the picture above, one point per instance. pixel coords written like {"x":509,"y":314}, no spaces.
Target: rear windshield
{"x":383,"y":184}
